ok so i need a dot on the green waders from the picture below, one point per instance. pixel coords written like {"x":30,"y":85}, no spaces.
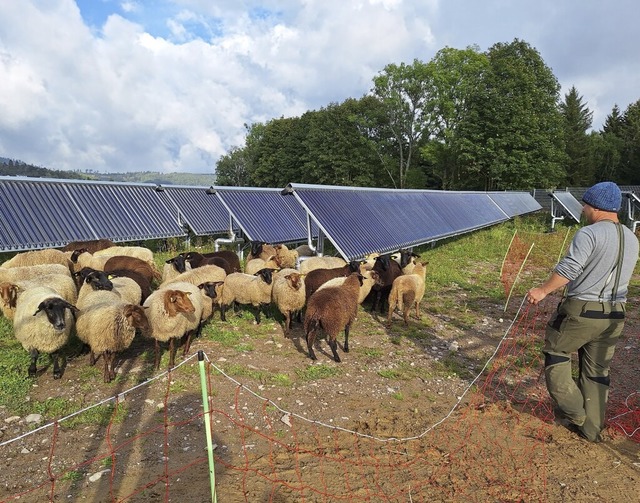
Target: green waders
{"x":592,"y":329}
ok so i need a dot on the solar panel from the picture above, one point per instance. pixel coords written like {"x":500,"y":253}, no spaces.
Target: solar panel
{"x":264,"y":214}
{"x":633,"y":206}
{"x":568,"y":203}
{"x":359,"y":221}
{"x":197,"y":207}
{"x":38,"y":215}
{"x":515,"y":203}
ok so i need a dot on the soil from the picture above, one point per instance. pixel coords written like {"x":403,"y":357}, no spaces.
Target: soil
{"x":289,"y":429}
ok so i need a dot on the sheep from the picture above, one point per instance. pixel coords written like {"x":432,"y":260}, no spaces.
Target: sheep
{"x":173,"y":312}
{"x":286,"y":258}
{"x":312,"y":263}
{"x":196,"y":259}
{"x":42,"y":324}
{"x":91,"y":246}
{"x":254,"y":265}
{"x":407,"y":261}
{"x":39,"y":257}
{"x":109,"y":327}
{"x":144,"y":254}
{"x":306,"y":251}
{"x":388,"y":270}
{"x":288,"y":294}
{"x":369,"y":278}
{"x":173,"y":267}
{"x":128,"y":290}
{"x":122,"y":262}
{"x":81,"y":259}
{"x":314,"y":279}
{"x":91,"y":280}
{"x":231,"y":257}
{"x":260,"y":249}
{"x":406,"y":291}
{"x":63,"y":284}
{"x":15,"y":274}
{"x":198,"y":275}
{"x":247,"y":289}
{"x":142,"y":281}
{"x":332,"y":310}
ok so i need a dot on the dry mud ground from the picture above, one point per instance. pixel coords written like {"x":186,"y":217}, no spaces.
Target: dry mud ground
{"x":275,"y":435}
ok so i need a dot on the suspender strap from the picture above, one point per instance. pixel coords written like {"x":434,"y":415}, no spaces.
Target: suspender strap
{"x":617,"y":266}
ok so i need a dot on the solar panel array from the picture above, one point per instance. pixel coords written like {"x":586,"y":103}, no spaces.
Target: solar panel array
{"x":571,"y":206}
{"x":360,"y":221}
{"x":42,"y":213}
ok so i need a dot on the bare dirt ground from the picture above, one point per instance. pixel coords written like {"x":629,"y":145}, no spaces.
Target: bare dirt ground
{"x":402,"y":382}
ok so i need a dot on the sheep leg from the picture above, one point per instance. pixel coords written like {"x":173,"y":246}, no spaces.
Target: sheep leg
{"x":346,"y":338}
{"x":93,"y":358}
{"x":287,"y":323}
{"x":106,"y":374}
{"x":34,"y":358}
{"x":157,"y":360}
{"x":257,"y":315}
{"x":311,"y":337}
{"x":172,"y":353}
{"x":57,"y":370}
{"x":223,"y":310}
{"x":405,"y":314}
{"x":187,"y":343}
{"x":333,"y":344}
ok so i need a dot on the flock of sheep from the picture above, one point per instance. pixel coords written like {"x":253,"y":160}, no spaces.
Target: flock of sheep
{"x":107,"y":294}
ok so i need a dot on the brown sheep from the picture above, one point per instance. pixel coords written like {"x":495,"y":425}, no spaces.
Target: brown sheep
{"x":332,"y":310}
{"x":91,"y":246}
{"x":122,"y":262}
{"x":316,"y":278}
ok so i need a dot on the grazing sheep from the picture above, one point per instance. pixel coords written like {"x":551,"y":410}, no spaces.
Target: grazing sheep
{"x":144,"y":254}
{"x":288,"y":294}
{"x":230,"y":256}
{"x":173,"y":312}
{"x":42,"y":324}
{"x":82,"y":259}
{"x":332,"y":310}
{"x":388,"y":270}
{"x":308,"y":265}
{"x":63,"y":284}
{"x":196,"y":259}
{"x":260,"y":249}
{"x":91,"y":246}
{"x":254,"y":289}
{"x":38,"y":257}
{"x":314,"y":279}
{"x":93,"y":281}
{"x":122,"y":262}
{"x":254,"y":265}
{"x":407,"y":261}
{"x":198,"y":275}
{"x":109,"y":327}
{"x":286,"y":258}
{"x":369,"y":278}
{"x":406,"y":291}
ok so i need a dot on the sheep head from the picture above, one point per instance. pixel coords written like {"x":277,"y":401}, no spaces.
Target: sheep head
{"x":178,"y":262}
{"x":177,"y":301}
{"x":136,"y":317}
{"x":54,"y":309}
{"x":9,"y":294}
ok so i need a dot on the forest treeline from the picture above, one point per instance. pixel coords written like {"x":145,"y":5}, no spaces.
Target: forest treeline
{"x":465,"y":120}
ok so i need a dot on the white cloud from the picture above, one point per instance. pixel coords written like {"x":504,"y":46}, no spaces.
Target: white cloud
{"x":169,"y":84}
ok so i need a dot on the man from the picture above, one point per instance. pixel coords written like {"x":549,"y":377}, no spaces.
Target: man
{"x":590,"y":318}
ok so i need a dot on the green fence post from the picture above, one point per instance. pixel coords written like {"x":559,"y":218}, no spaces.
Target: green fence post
{"x":207,"y":424}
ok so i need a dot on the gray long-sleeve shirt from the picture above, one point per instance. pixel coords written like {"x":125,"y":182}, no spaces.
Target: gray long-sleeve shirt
{"x":591,"y":258}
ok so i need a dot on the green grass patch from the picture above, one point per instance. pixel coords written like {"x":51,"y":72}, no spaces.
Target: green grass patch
{"x":314,"y":372}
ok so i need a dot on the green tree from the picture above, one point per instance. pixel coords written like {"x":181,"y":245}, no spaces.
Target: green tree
{"x":404,"y":93}
{"x":608,"y":146}
{"x":580,"y":166}
{"x":231,"y":168}
{"x":511,"y":137}
{"x":455,"y":75}
{"x":630,"y":157}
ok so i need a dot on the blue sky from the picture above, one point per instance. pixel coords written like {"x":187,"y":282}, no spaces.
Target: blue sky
{"x":167,"y":85}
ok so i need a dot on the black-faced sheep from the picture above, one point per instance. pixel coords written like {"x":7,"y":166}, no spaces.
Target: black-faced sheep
{"x":42,"y":324}
{"x":255,"y":264}
{"x":231,"y":257}
{"x":408,"y":290}
{"x":91,"y":246}
{"x":253,"y":289}
{"x":109,"y":327}
{"x":288,"y":294}
{"x":308,"y":265}
{"x":260,"y":249}
{"x":174,"y":267}
{"x":63,"y":284}
{"x":173,"y":313}
{"x":314,"y":279}
{"x":332,"y":310}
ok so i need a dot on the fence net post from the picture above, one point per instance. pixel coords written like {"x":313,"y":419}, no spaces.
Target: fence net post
{"x":207,"y":424}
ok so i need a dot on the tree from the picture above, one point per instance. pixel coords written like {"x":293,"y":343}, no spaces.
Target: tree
{"x":630,"y":157}
{"x":608,"y":146}
{"x":404,"y":93}
{"x":455,"y":75}
{"x":231,"y":169}
{"x":580,"y":167}
{"x":512,"y":135}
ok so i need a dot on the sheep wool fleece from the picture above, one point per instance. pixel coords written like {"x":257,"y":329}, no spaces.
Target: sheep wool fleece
{"x":590,"y":321}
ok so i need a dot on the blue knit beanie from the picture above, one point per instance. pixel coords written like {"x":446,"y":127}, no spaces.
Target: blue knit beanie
{"x":605,"y":196}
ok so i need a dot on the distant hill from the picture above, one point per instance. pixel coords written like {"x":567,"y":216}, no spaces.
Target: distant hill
{"x":14,"y":167}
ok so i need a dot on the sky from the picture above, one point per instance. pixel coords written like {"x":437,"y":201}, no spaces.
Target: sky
{"x":169,"y":85}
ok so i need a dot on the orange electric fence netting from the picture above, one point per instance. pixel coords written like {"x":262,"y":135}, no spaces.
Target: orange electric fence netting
{"x":148,"y":443}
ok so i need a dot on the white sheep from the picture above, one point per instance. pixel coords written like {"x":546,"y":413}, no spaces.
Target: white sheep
{"x":198,"y":275}
{"x":312,"y":263}
{"x":42,"y":324}
{"x":173,"y":312}
{"x":406,"y":291}
{"x":38,"y":257}
{"x":128,"y":290}
{"x":140,"y":252}
{"x":62,"y":284}
{"x":285,"y":257}
{"x":16,"y":274}
{"x":254,"y":289}
{"x":109,"y":327}
{"x":255,"y":264}
{"x":288,"y":294}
